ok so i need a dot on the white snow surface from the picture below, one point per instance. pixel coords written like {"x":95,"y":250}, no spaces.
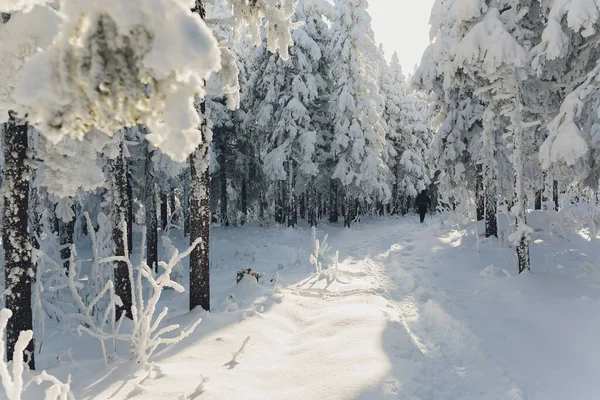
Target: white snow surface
{"x":415,"y":313}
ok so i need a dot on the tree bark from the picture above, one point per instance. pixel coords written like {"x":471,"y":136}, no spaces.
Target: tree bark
{"x":223,"y":170}
{"x":491,"y":217}
{"x":151,"y":216}
{"x":200,"y":228}
{"x":244,"y":200}
{"x":538,"y":199}
{"x":479,"y":194}
{"x":555,"y":194}
{"x":164,"y":210}
{"x":200,"y":211}
{"x":66,"y":231}
{"x":333,"y":203}
{"x":524,"y":262}
{"x":186,"y":204}
{"x":129,"y":211}
{"x":122,"y":279}
{"x":348,"y":214}
{"x":15,"y":236}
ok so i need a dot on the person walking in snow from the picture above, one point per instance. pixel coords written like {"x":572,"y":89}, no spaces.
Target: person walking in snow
{"x":423,"y":201}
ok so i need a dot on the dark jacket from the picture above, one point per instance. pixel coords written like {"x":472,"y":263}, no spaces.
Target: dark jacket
{"x":423,"y":201}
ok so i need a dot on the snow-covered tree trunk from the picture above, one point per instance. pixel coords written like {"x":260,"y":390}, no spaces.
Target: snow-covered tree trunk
{"x":479,"y":194}
{"x":151,"y":216}
{"x":491,"y":218}
{"x":15,"y":235}
{"x":200,"y":227}
{"x":118,"y":189}
{"x":522,"y":234}
{"x":200,"y":209}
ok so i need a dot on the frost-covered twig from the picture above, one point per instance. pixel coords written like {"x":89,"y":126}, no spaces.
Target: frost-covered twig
{"x":146,"y":335}
{"x":88,"y":323}
{"x":13,"y":382}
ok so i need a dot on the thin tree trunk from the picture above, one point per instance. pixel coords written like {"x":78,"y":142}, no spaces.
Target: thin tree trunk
{"x":129,"y":202}
{"x":244,"y":201}
{"x":15,"y":236}
{"x":66,"y":230}
{"x":151,"y":216}
{"x":186,"y":204}
{"x":394,"y":203}
{"x":164,"y":210}
{"x":223,"y":170}
{"x":538,"y":199}
{"x":333,"y":203}
{"x":555,"y":194}
{"x":348,"y":213}
{"x":479,"y":194}
{"x":518,"y":166}
{"x":122,"y":279}
{"x":200,"y":211}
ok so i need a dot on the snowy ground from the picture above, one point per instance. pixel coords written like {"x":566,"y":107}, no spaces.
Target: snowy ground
{"x":415,"y":313}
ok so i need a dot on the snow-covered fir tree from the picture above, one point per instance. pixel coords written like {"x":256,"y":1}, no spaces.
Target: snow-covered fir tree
{"x":356,"y":109}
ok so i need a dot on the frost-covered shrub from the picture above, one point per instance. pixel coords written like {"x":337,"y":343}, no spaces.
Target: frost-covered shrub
{"x":243,"y":272}
{"x":12,"y":380}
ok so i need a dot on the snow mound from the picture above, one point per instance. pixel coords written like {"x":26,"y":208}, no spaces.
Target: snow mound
{"x":491,"y":271}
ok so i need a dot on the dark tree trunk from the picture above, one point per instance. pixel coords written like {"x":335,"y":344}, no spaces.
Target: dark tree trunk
{"x":35,"y":197}
{"x":151,"y":216}
{"x":523,"y":259}
{"x":261,"y":206}
{"x":479,"y":195}
{"x":164,"y":210}
{"x":200,"y":215}
{"x":223,"y":170}
{"x":292,"y":200}
{"x":311,"y":205}
{"x":119,"y":207}
{"x":333,"y":203}
{"x":186,"y":204}
{"x":555,"y":194}
{"x":66,"y":232}
{"x":348,"y":212}
{"x":538,"y":199}
{"x":129,"y":211}
{"x":15,"y":236}
{"x":394,"y":203}
{"x":244,"y":201}
{"x":172,"y":201}
{"x":302,"y":204}
{"x":491,"y":217}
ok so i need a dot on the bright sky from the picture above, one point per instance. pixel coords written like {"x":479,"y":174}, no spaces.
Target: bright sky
{"x":402,"y":26}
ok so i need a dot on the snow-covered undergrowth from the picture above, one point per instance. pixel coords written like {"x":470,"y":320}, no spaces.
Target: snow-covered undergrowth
{"x":415,"y":312}
{"x":12,"y":374}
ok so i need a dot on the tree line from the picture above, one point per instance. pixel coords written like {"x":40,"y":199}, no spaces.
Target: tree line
{"x":235,"y":124}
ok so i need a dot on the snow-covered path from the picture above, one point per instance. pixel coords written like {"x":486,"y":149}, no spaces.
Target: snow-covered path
{"x":409,"y":317}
